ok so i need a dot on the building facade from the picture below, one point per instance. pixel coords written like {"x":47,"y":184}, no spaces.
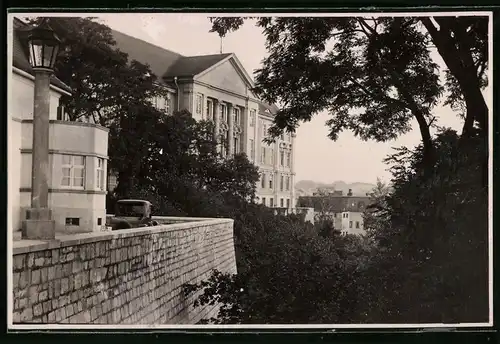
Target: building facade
{"x":77,"y":153}
{"x":346,"y":212}
{"x":217,"y":88}
{"x":276,"y":163}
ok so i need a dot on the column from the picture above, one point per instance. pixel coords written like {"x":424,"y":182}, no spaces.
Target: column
{"x":39,"y":223}
{"x":216,"y":110}
{"x":292,"y":170}
{"x":230,"y":125}
{"x":244,"y":130}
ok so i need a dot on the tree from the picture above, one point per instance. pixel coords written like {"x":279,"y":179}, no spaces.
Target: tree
{"x":462,"y":42}
{"x":110,"y":90}
{"x":103,"y":80}
{"x":287,"y":274}
{"x":431,"y":260}
{"x":372,"y":74}
{"x":376,"y":216}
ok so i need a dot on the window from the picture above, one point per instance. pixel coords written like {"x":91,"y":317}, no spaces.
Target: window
{"x":282,"y":202}
{"x":199,"y":103}
{"x":270,"y":181}
{"x":263,"y":200}
{"x":99,"y":221}
{"x":73,"y":171}
{"x":282,"y":158}
{"x":72,"y":221}
{"x":271,"y":202}
{"x":350,"y":224}
{"x":100,"y":174}
{"x":282,"y":182}
{"x":252,"y":150}
{"x":168,"y":107}
{"x":357,"y":224}
{"x":60,"y":111}
{"x":288,"y":158}
{"x":288,"y":203}
{"x":263,"y":180}
{"x":252,"y":118}
{"x":236,"y":115}
{"x":210,"y":110}
{"x":236,"y":147}
{"x":271,"y":157}
{"x":287,"y":183}
{"x":223,"y":112}
{"x":264,"y":130}
{"x":263,"y":155}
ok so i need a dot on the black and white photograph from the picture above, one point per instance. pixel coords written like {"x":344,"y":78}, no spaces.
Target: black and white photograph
{"x":198,"y":170}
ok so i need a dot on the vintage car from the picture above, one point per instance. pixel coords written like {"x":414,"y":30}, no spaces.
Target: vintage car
{"x":132,"y":213}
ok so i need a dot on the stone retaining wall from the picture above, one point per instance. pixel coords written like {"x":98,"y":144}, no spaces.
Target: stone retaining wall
{"x":132,"y":276}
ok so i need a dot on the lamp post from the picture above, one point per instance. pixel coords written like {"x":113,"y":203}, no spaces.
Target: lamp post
{"x":43,"y":49}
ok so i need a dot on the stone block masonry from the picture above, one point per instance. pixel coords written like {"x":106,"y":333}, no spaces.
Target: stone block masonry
{"x":132,"y":276}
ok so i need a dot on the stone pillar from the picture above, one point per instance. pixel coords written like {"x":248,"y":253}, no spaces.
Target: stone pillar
{"x":230,"y":125}
{"x":39,"y":223}
{"x":217,"y":122}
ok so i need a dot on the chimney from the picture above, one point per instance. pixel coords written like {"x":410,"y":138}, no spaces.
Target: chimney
{"x":349,"y":193}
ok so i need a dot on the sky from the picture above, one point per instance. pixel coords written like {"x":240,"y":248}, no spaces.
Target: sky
{"x":316,"y":156}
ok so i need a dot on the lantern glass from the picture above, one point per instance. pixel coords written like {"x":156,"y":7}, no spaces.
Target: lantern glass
{"x":43,"y":47}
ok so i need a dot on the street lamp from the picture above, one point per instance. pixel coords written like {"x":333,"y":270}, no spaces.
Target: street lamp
{"x":43,"y":49}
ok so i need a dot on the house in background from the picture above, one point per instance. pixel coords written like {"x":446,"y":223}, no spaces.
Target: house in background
{"x":77,"y":152}
{"x":346,"y":212}
{"x":217,"y":88}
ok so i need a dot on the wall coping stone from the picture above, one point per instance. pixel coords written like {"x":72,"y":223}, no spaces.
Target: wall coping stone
{"x":64,"y":240}
{"x":177,"y":218}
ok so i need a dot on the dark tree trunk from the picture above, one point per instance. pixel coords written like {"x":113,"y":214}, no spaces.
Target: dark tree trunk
{"x":459,"y":62}
{"x":429,"y":158}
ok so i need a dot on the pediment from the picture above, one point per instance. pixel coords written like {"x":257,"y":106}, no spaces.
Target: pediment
{"x":227,"y":76}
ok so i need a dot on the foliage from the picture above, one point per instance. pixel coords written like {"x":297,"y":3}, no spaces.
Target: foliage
{"x":373,"y":75}
{"x":375,"y":215}
{"x":178,"y":162}
{"x":287,"y":274}
{"x":462,"y":42}
{"x":104,"y":83}
{"x":432,"y":256}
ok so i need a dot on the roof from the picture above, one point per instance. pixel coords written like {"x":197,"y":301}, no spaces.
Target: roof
{"x":164,"y":63}
{"x":20,"y":53}
{"x":193,"y":65}
{"x":158,"y":59}
{"x":271,"y":108}
{"x":336,"y":204}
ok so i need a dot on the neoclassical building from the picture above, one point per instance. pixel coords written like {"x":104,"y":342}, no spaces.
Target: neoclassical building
{"x":217,"y":88}
{"x":77,"y":152}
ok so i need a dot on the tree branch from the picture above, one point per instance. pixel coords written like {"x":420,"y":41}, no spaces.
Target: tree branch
{"x":379,"y":96}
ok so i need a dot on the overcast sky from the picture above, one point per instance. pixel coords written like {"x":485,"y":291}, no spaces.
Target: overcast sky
{"x":317,"y":157}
